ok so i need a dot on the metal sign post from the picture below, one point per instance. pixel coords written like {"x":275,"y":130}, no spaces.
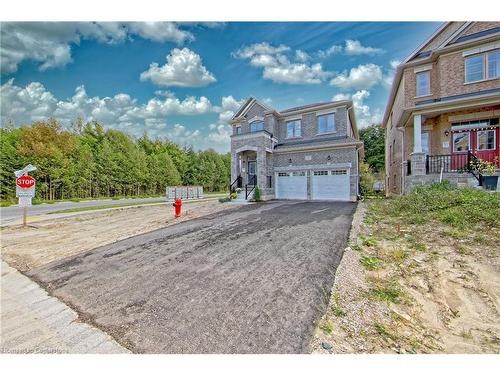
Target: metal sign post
{"x":25,"y":189}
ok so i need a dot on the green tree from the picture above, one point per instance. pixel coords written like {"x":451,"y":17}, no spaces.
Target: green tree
{"x":374,"y":142}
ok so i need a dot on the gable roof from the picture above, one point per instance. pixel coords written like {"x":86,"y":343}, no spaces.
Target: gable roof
{"x":245,"y":107}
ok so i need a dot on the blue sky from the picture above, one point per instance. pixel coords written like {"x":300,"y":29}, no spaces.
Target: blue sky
{"x":183,"y":81}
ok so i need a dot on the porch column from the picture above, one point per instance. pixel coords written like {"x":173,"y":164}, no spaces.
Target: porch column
{"x":417,"y":156}
{"x":261,"y":168}
{"x":234,"y":165}
{"x":417,"y":133}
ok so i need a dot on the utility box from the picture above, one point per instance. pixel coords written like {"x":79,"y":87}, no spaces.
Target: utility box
{"x":184,"y":192}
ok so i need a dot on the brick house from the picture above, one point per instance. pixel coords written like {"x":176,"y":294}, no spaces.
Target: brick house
{"x":309,"y":152}
{"x":444,"y":108}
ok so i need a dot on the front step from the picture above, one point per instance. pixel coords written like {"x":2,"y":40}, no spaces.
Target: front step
{"x":240,"y":199}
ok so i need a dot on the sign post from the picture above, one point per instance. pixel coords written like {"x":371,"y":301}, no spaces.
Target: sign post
{"x":25,"y":189}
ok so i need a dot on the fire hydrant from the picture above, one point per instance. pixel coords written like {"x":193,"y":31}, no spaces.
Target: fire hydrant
{"x":177,"y":205}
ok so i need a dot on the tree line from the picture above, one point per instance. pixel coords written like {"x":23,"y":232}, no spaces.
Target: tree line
{"x":91,"y":162}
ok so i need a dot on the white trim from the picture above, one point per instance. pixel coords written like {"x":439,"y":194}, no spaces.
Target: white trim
{"x":246,"y":148}
{"x":314,"y":167}
{"x":293,"y":118}
{"x":483,"y":48}
{"x":453,"y":143}
{"x":326,"y":112}
{"x":422,"y":68}
{"x":494,"y":140}
{"x":255,"y":118}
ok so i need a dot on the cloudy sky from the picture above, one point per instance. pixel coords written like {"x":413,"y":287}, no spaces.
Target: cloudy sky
{"x":184,"y":81}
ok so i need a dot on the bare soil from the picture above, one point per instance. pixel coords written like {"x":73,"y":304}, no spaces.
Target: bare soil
{"x":57,"y":238}
{"x":445,"y":284}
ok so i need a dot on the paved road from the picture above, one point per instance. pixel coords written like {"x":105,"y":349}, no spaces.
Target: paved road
{"x":13,"y":214}
{"x":34,"y":322}
{"x":253,"y":279}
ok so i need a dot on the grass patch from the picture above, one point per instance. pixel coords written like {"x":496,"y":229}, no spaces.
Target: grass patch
{"x":326,"y":327}
{"x":386,"y":292}
{"x":458,"y":207}
{"x":336,"y":308}
{"x":101,"y":207}
{"x":398,"y":255}
{"x":369,"y":242}
{"x":356,"y":247}
{"x":371,"y":263}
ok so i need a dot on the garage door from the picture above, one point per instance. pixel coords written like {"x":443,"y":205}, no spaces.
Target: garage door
{"x":291,"y":185}
{"x":331,"y":185}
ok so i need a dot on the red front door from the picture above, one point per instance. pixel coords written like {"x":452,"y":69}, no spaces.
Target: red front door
{"x":483,"y":143}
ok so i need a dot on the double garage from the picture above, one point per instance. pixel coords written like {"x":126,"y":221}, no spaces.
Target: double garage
{"x":321,"y":184}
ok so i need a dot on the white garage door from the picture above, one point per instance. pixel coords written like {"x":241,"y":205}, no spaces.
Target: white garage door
{"x":331,"y":185}
{"x":291,"y":185}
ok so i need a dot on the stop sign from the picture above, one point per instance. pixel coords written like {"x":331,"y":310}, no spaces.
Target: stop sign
{"x":25,"y":182}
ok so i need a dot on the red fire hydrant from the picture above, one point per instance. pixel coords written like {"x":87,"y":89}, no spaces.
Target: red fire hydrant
{"x":177,"y":205}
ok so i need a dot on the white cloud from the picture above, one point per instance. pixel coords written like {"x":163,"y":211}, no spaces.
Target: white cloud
{"x":264,"y":48}
{"x":302,"y":56}
{"x":277,"y":66}
{"x":360,"y":77}
{"x":49,"y":43}
{"x":365,"y":116}
{"x":351,"y":47}
{"x":22,"y":105}
{"x":183,"y":68}
{"x":389,"y":76}
{"x":354,"y":47}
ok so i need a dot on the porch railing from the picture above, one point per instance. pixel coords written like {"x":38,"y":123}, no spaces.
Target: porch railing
{"x":250,"y":186}
{"x":237,"y":183}
{"x":450,"y":163}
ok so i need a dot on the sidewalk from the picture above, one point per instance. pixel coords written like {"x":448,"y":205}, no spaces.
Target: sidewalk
{"x":34,"y":322}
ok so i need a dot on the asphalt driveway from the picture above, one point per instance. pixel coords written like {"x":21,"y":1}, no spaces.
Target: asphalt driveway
{"x":250,"y":280}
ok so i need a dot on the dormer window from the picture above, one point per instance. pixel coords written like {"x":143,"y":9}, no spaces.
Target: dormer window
{"x":256,"y":126}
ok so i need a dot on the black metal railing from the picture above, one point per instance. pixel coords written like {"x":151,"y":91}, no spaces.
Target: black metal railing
{"x":237,"y":183}
{"x":252,"y":182}
{"x":269,"y":182}
{"x":452,"y":163}
{"x":471,"y":163}
{"x":408,"y":167}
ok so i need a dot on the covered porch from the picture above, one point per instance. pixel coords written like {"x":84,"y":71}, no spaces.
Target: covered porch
{"x":251,"y":167}
{"x":445,"y":143}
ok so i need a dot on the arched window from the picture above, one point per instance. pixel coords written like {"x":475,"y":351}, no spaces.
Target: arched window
{"x":256,"y":126}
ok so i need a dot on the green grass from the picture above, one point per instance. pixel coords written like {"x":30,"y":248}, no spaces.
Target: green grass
{"x":101,"y":207}
{"x":326,"y":327}
{"x":387,"y":292}
{"x":371,"y":263}
{"x":458,"y":207}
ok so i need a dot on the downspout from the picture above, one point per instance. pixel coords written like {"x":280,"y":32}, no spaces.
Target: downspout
{"x":403,"y":177}
{"x":351,"y":108}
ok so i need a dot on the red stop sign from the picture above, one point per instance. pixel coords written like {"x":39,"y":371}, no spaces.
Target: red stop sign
{"x":25,"y":182}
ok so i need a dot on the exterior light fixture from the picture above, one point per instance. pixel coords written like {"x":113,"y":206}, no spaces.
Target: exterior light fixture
{"x":329,"y":158}
{"x":290,"y":160}
{"x":446,"y":133}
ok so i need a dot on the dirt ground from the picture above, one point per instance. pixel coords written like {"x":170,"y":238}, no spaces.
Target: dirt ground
{"x":437,"y":290}
{"x":54,"y":239}
{"x":254,"y":279}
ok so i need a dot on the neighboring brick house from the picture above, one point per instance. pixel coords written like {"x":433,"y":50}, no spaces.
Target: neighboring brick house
{"x":310,"y":152}
{"x":444,"y":107}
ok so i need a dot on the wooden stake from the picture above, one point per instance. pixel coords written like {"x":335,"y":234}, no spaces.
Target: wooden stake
{"x":25,"y":216}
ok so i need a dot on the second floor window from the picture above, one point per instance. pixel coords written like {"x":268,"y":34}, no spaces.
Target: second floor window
{"x":424,"y":83}
{"x":293,"y":129}
{"x":483,"y":66}
{"x":257,"y":126}
{"x":326,"y":123}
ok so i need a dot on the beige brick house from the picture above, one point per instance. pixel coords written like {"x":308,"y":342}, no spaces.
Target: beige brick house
{"x":444,"y":107}
{"x":310,"y":152}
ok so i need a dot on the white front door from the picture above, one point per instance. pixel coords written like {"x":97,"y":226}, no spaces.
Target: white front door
{"x":331,"y":185}
{"x":291,"y":185}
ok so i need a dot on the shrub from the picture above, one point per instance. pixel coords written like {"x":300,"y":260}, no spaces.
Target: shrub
{"x":366,"y":179}
{"x":224,"y":200}
{"x":233,"y":195}
{"x":256,"y":194}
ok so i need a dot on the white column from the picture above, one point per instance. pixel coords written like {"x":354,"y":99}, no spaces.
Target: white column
{"x":417,"y":134}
